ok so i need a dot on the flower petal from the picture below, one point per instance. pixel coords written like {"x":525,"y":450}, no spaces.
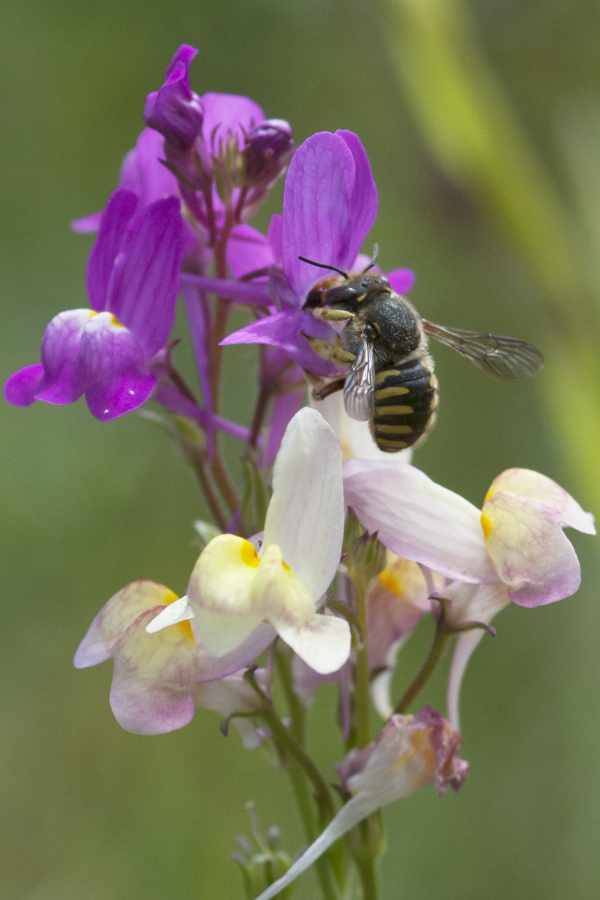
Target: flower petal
{"x":323,"y":643}
{"x":174,"y":110}
{"x":145,"y":278}
{"x":364,"y":200}
{"x":475,"y":603}
{"x":531,"y":555}
{"x":153,"y":679}
{"x":228,"y":116}
{"x":317,"y":208}
{"x":417,"y":518}
{"x":247,"y":251}
{"x":401,"y":280}
{"x":21,"y":387}
{"x":177,"y":611}
{"x":115,"y":617}
{"x":221,"y":633}
{"x":231,"y":695}
{"x":555,"y":500}
{"x":113,"y":225}
{"x":63,"y":379}
{"x":143,"y":172}
{"x":355,"y":437}
{"x":306,"y":513}
{"x":113,"y":368}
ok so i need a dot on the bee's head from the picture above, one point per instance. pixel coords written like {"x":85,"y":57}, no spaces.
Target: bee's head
{"x":356,"y":290}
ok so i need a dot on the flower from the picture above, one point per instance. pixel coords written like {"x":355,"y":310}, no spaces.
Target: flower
{"x":513,"y":550}
{"x":159,"y":680}
{"x":106,"y":352}
{"x":329,"y":205}
{"x":234,"y":588}
{"x":410,"y":752}
{"x":175,"y":110}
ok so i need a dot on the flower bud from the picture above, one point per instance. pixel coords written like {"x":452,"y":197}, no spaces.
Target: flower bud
{"x":267,"y":151}
{"x":175,"y":110}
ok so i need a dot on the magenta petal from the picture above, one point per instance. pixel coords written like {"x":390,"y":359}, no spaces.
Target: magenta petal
{"x":175,"y":110}
{"x":402,"y":280}
{"x":228,"y":115}
{"x":275,"y":235}
{"x":316,"y":207}
{"x":20,"y":389}
{"x":87,"y":224}
{"x":364,"y":199}
{"x":247,"y":251}
{"x":145,"y":280}
{"x":143,"y":172}
{"x":64,"y":380}
{"x":113,"y":367}
{"x":114,"y":221}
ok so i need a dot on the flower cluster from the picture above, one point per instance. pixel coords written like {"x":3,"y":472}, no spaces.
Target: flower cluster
{"x":322,"y":570}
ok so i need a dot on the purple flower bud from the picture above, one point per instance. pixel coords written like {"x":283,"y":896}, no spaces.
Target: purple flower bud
{"x":175,"y":110}
{"x":267,"y":151}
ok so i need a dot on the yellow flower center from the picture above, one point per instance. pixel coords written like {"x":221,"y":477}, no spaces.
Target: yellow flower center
{"x":248,"y":555}
{"x":391,"y":582}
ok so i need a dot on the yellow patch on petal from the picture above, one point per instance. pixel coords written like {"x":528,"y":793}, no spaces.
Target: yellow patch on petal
{"x":184,"y":627}
{"x":248,"y":555}
{"x":114,"y":321}
{"x":486,"y":524}
{"x":389,"y":580}
{"x":490,"y":493}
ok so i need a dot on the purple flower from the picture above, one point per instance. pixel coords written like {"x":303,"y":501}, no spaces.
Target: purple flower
{"x":267,"y":151}
{"x":175,"y":110}
{"x":106,"y":352}
{"x":330,"y":203}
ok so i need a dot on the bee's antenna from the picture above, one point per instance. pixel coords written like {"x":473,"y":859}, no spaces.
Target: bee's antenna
{"x":373,"y":260}
{"x":312,"y":262}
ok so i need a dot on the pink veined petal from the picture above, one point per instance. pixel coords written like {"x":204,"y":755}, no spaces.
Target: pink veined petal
{"x":324,"y":643}
{"x":305,"y":517}
{"x":145,"y":279}
{"x":113,"y":225}
{"x":418,"y":519}
{"x":531,"y":555}
{"x":248,"y":250}
{"x":317,"y":206}
{"x":401,"y":280}
{"x":364,"y":199}
{"x":113,"y":369}
{"x":21,"y":387}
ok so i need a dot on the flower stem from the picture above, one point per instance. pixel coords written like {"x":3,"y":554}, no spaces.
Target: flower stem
{"x":440,"y":640}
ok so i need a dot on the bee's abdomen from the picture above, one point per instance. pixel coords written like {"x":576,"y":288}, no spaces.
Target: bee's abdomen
{"x":406,"y":397}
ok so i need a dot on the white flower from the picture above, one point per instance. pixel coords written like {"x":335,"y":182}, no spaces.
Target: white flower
{"x":234,"y":587}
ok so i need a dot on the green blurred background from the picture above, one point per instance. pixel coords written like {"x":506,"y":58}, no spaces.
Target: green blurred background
{"x":91,"y":812}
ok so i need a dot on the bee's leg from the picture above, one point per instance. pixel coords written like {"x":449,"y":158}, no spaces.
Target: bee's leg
{"x":332,"y":350}
{"x":332,"y":315}
{"x":326,"y":390}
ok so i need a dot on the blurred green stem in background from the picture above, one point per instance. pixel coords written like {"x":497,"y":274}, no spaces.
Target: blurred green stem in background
{"x":474,"y":135}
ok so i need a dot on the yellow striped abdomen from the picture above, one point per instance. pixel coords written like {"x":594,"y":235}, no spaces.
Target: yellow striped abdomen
{"x":405,"y":401}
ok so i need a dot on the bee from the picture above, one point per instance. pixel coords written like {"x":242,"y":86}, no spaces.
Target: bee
{"x":391,"y":381}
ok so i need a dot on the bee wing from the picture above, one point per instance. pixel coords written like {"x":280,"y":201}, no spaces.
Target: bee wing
{"x":360,"y":385}
{"x":496,"y":354}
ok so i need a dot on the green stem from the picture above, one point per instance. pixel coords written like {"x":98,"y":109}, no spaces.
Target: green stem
{"x":440,"y":640}
{"x":362,"y":734}
{"x":295,"y":706}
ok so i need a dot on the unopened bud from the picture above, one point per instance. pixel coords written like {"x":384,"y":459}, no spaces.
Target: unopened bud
{"x":267,"y":152}
{"x":175,"y":110}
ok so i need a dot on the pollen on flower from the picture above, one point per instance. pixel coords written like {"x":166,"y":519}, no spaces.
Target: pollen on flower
{"x":486,"y":524}
{"x":249,"y":555}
